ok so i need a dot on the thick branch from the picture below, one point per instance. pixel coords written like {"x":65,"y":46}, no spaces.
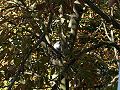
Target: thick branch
{"x":109,"y":19}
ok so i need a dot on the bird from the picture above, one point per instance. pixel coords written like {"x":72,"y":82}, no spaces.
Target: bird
{"x":57,"y":46}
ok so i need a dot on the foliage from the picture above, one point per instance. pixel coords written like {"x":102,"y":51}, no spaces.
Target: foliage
{"x":28,"y":31}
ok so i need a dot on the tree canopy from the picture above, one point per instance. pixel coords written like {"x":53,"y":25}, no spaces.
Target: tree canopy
{"x":89,"y":50}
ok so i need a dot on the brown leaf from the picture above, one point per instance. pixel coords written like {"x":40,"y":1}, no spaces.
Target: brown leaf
{"x":111,"y":2}
{"x":41,"y":7}
{"x":97,"y":1}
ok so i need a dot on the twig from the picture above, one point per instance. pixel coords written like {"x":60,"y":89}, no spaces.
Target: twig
{"x":106,"y":31}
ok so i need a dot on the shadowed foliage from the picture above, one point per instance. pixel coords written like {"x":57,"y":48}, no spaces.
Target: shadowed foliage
{"x":88,"y":59}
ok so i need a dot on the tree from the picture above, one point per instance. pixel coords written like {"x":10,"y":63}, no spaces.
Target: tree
{"x":89,"y":50}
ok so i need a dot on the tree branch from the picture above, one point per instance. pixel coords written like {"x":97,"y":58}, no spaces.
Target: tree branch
{"x":108,"y":19}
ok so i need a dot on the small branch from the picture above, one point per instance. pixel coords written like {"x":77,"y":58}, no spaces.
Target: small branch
{"x":49,"y":22}
{"x":106,"y":31}
{"x":109,"y":19}
{"x":23,"y":3}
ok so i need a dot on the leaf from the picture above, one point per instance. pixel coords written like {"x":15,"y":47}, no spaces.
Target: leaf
{"x":21,"y":87}
{"x":52,"y":71}
{"x":44,"y":59}
{"x":17,"y":61}
{"x":111,"y":2}
{"x":3,"y":21}
{"x":41,"y":6}
{"x":11,"y":2}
